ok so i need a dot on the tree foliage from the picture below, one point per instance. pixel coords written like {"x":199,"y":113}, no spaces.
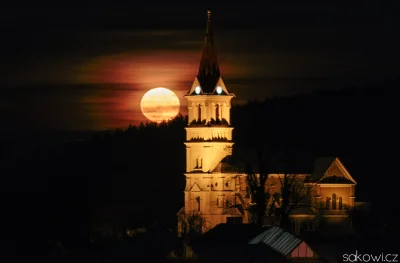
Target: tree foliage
{"x":294,"y":189}
{"x":191,"y":223}
{"x":257,"y":189}
{"x":294,"y":193}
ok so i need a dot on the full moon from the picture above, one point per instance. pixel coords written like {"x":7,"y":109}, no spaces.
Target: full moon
{"x":159,"y":104}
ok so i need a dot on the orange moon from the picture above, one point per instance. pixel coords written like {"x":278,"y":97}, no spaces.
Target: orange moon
{"x":160,"y":104}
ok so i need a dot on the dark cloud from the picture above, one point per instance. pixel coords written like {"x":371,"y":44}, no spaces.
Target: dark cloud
{"x":121,"y":51}
{"x":74,"y":107}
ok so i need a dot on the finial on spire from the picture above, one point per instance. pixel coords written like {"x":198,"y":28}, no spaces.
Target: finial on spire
{"x":209,"y":14}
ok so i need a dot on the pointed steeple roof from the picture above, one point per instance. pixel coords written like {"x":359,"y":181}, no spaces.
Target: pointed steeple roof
{"x":208,"y":74}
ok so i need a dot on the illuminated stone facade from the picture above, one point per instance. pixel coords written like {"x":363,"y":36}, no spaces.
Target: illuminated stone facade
{"x":330,"y":200}
{"x":209,"y":140}
{"x":216,"y":191}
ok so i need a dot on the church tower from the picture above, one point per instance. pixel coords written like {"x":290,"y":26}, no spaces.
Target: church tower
{"x":209,"y":191}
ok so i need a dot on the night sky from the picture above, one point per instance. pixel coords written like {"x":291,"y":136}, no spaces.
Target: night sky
{"x":87,"y":69}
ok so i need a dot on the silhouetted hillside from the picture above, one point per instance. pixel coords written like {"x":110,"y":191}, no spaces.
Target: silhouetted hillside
{"x":356,"y":124}
{"x":134,"y":177}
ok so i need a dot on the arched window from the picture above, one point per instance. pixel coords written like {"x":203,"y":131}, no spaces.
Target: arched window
{"x":198,"y":203}
{"x":333,"y":201}
{"x":327,"y":203}
{"x":199,"y":112}
{"x":217,"y":112}
{"x":217,"y":202}
{"x":199,"y":163}
{"x":340,"y":203}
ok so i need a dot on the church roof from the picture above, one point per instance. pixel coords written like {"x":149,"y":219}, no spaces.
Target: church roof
{"x":330,"y":170}
{"x":229,"y":165}
{"x":321,"y":165}
{"x":209,"y":73}
{"x":326,"y":170}
{"x":298,"y":166}
{"x":335,"y":180}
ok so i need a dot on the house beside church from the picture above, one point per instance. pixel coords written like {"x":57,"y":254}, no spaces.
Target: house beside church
{"x":251,"y":243}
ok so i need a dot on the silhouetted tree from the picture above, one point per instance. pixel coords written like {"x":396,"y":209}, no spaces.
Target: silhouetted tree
{"x":257,"y":189}
{"x":191,"y":226}
{"x":294,"y":193}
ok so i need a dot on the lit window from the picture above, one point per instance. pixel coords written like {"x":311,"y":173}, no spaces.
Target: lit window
{"x":199,"y":112}
{"x":199,"y":163}
{"x":327,"y":203}
{"x":198,"y":203}
{"x":333,"y":201}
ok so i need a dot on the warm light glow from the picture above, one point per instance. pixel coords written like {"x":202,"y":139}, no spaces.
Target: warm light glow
{"x":197,"y":90}
{"x":219,"y":89}
{"x":159,"y":104}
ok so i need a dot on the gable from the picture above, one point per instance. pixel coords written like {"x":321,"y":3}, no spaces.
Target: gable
{"x":302,"y":251}
{"x":331,"y":170}
{"x":195,"y":188}
{"x":221,"y":83}
{"x":194,"y":85}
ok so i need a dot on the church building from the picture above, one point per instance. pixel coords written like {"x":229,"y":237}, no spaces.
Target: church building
{"x":219,"y":193}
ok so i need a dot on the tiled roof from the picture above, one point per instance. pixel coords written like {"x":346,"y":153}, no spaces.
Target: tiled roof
{"x":277,"y":239}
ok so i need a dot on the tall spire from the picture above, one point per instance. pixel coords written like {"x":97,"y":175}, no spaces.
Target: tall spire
{"x":208,"y":74}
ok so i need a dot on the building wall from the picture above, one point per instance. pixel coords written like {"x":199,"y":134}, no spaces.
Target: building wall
{"x":331,"y":221}
{"x":208,"y":107}
{"x":344,"y":192}
{"x":211,"y":194}
{"x":205,"y":156}
{"x":206,"y":133}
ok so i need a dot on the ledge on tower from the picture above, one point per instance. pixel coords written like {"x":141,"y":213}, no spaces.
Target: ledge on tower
{"x":213,"y":122}
{"x":218,"y":122}
{"x":214,"y":139}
